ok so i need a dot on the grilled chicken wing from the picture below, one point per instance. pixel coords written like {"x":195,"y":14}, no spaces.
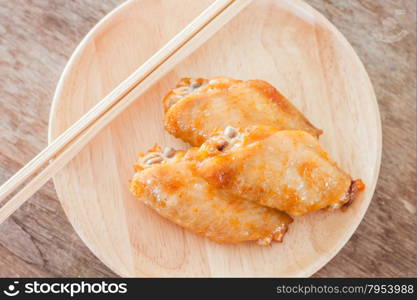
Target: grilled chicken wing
{"x":169,"y":184}
{"x":198,"y":107}
{"x":282,"y":169}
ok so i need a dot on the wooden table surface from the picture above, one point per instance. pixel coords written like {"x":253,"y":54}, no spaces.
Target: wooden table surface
{"x":36,"y":40}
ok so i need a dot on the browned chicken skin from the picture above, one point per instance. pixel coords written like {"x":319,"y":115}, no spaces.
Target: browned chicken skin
{"x":282,"y":169}
{"x":258,"y":158}
{"x":169,"y":184}
{"x":198,"y":107}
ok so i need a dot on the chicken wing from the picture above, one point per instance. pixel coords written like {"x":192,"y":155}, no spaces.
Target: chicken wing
{"x":198,"y":107}
{"x":169,"y":184}
{"x":282,"y":169}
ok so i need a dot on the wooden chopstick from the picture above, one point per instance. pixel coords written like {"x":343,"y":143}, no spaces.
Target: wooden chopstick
{"x":68,"y":144}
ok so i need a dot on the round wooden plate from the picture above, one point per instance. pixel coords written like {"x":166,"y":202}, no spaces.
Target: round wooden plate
{"x":285,"y":42}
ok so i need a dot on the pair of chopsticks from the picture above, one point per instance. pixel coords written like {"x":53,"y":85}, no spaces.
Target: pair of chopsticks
{"x":58,"y":153}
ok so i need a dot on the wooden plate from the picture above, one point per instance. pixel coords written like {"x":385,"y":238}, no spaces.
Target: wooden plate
{"x":285,"y":42}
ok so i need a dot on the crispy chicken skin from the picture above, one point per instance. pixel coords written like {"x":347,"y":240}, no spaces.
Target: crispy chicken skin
{"x":169,"y":184}
{"x":282,"y":169}
{"x":198,"y":107}
{"x":255,"y":161}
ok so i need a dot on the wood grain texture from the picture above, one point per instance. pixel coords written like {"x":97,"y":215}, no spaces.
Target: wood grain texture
{"x":284,"y":42}
{"x":32,"y":59}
